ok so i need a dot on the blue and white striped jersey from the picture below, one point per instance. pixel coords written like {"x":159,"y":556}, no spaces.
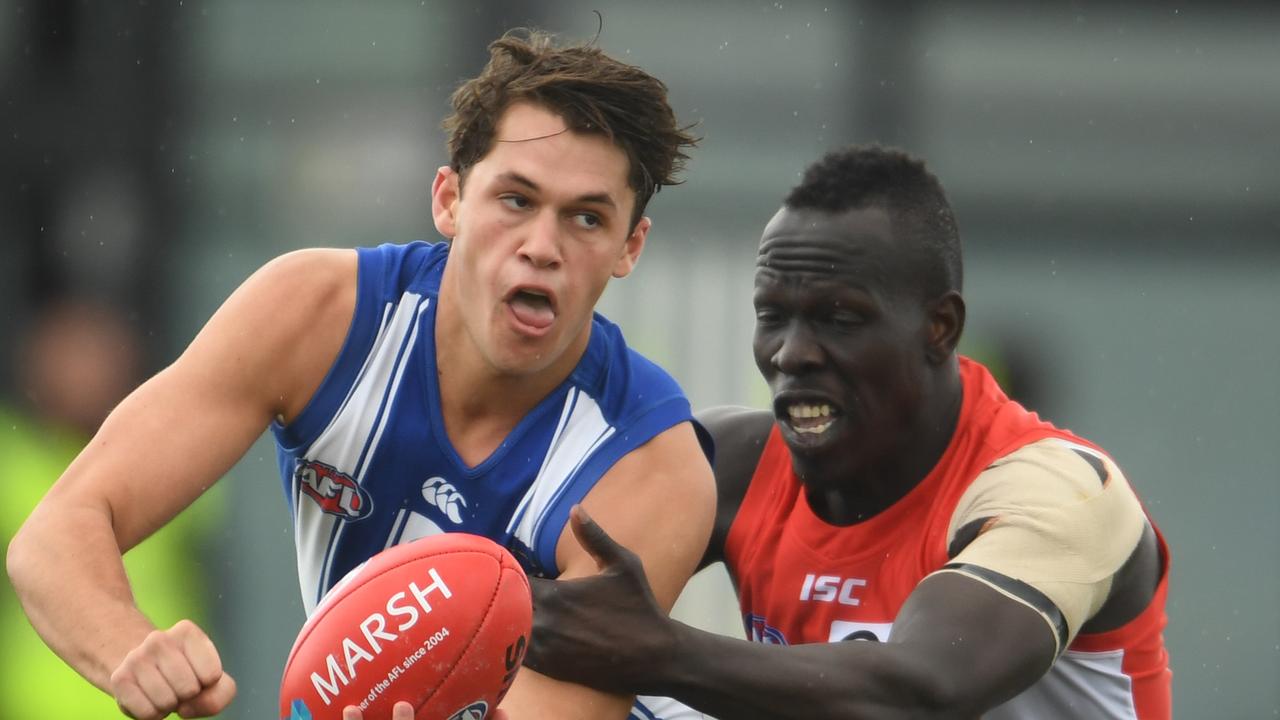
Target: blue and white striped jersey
{"x":367,"y":464}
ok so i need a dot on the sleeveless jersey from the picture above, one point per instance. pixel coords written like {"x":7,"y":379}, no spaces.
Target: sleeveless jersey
{"x":801,"y":580}
{"x":368,"y":464}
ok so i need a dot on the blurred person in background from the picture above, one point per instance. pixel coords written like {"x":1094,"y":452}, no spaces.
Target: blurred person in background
{"x":485,"y":395}
{"x":75,"y":360}
{"x":905,"y":540}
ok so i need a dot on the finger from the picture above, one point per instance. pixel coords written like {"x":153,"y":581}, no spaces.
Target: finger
{"x":132,"y":701}
{"x":157,"y":688}
{"x":172,"y":664}
{"x":200,"y":652}
{"x":402,"y":711}
{"x":594,"y":539}
{"x":211,"y":700}
{"x":499,"y":715}
{"x":351,"y":712}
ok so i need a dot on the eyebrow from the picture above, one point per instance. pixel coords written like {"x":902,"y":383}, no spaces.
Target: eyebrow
{"x":592,"y":198}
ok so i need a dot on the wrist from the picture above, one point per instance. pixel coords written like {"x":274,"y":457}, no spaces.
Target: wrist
{"x":668,"y":659}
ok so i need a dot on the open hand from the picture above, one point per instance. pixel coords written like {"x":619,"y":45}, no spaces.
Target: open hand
{"x":600,"y":631}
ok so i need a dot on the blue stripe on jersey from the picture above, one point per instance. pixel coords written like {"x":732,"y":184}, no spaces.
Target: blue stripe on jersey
{"x":390,"y":444}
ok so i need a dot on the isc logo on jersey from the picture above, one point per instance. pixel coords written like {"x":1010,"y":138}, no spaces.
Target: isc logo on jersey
{"x":335,"y":492}
{"x":831,"y":588}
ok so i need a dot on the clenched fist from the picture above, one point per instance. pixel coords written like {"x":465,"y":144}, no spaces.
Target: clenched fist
{"x":173,"y":670}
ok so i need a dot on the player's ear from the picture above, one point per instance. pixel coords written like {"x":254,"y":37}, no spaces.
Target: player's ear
{"x":946,"y":324}
{"x":632,"y":248}
{"x":446,"y":191}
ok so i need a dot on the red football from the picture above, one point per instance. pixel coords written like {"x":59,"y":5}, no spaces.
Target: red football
{"x":440,"y":622}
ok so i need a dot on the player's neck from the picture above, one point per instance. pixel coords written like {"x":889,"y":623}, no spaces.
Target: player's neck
{"x":480,"y":404}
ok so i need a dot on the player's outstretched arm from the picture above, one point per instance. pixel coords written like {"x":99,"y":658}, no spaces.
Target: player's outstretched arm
{"x":661,"y":499}
{"x":261,"y":355}
{"x":958,"y":648}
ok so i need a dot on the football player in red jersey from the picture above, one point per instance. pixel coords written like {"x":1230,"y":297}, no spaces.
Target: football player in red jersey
{"x":998,"y":565}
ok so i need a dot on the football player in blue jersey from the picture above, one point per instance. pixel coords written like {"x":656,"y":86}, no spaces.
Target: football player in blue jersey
{"x":383,"y":370}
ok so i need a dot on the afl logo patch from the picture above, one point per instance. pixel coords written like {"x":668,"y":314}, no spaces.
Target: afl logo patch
{"x":335,"y":492}
{"x":759,"y":630}
{"x":474,"y":711}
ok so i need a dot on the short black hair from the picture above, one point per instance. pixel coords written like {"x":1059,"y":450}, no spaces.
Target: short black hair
{"x":860,"y":176}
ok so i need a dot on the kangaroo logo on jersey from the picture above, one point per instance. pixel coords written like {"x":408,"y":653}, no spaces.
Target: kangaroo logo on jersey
{"x":335,"y":492}
{"x":442,"y":494}
{"x":474,"y":711}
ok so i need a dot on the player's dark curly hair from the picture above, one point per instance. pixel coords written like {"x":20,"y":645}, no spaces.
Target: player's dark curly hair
{"x":862,"y":176}
{"x":593,"y":92}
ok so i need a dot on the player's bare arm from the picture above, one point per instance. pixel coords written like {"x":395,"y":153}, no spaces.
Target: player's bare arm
{"x":661,"y":499}
{"x":944,"y":660}
{"x":259,"y":357}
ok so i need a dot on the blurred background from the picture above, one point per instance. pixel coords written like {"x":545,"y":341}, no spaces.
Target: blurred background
{"x":1115,"y":169}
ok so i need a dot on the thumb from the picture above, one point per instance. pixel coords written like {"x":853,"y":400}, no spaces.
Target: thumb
{"x":595,"y":540}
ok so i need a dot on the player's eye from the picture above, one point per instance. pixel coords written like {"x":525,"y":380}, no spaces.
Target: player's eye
{"x":587,"y":221}
{"x":767,"y":315}
{"x":847,"y":319}
{"x":513,"y":201}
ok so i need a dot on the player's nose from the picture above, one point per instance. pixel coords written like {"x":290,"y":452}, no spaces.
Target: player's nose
{"x":540,"y":245}
{"x":797,"y":351}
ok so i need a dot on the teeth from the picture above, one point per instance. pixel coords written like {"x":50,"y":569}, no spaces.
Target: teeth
{"x":809,"y":411}
{"x":815,"y":430}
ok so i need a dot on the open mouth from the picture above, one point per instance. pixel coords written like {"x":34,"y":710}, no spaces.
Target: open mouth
{"x":533,"y":307}
{"x":811,"y":418}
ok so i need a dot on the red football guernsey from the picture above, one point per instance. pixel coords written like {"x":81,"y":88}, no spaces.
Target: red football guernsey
{"x":802,"y":580}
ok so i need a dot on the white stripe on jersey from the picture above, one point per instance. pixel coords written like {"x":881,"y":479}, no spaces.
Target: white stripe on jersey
{"x":382,"y":329}
{"x":582,"y":429}
{"x":350,"y":440}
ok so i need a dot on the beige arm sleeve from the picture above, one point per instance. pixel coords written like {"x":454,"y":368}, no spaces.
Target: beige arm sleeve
{"x":1053,"y":515}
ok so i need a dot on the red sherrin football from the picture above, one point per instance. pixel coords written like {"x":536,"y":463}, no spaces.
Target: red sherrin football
{"x":440,"y":622}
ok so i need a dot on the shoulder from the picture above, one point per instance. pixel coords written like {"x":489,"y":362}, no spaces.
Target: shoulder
{"x":312,"y":271}
{"x":627,"y":384}
{"x":392,"y":268}
{"x":739,"y":435}
{"x":1061,"y":516}
{"x":1067,"y":480}
{"x":291,"y":294}
{"x":304,"y":289}
{"x":293,"y":314}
